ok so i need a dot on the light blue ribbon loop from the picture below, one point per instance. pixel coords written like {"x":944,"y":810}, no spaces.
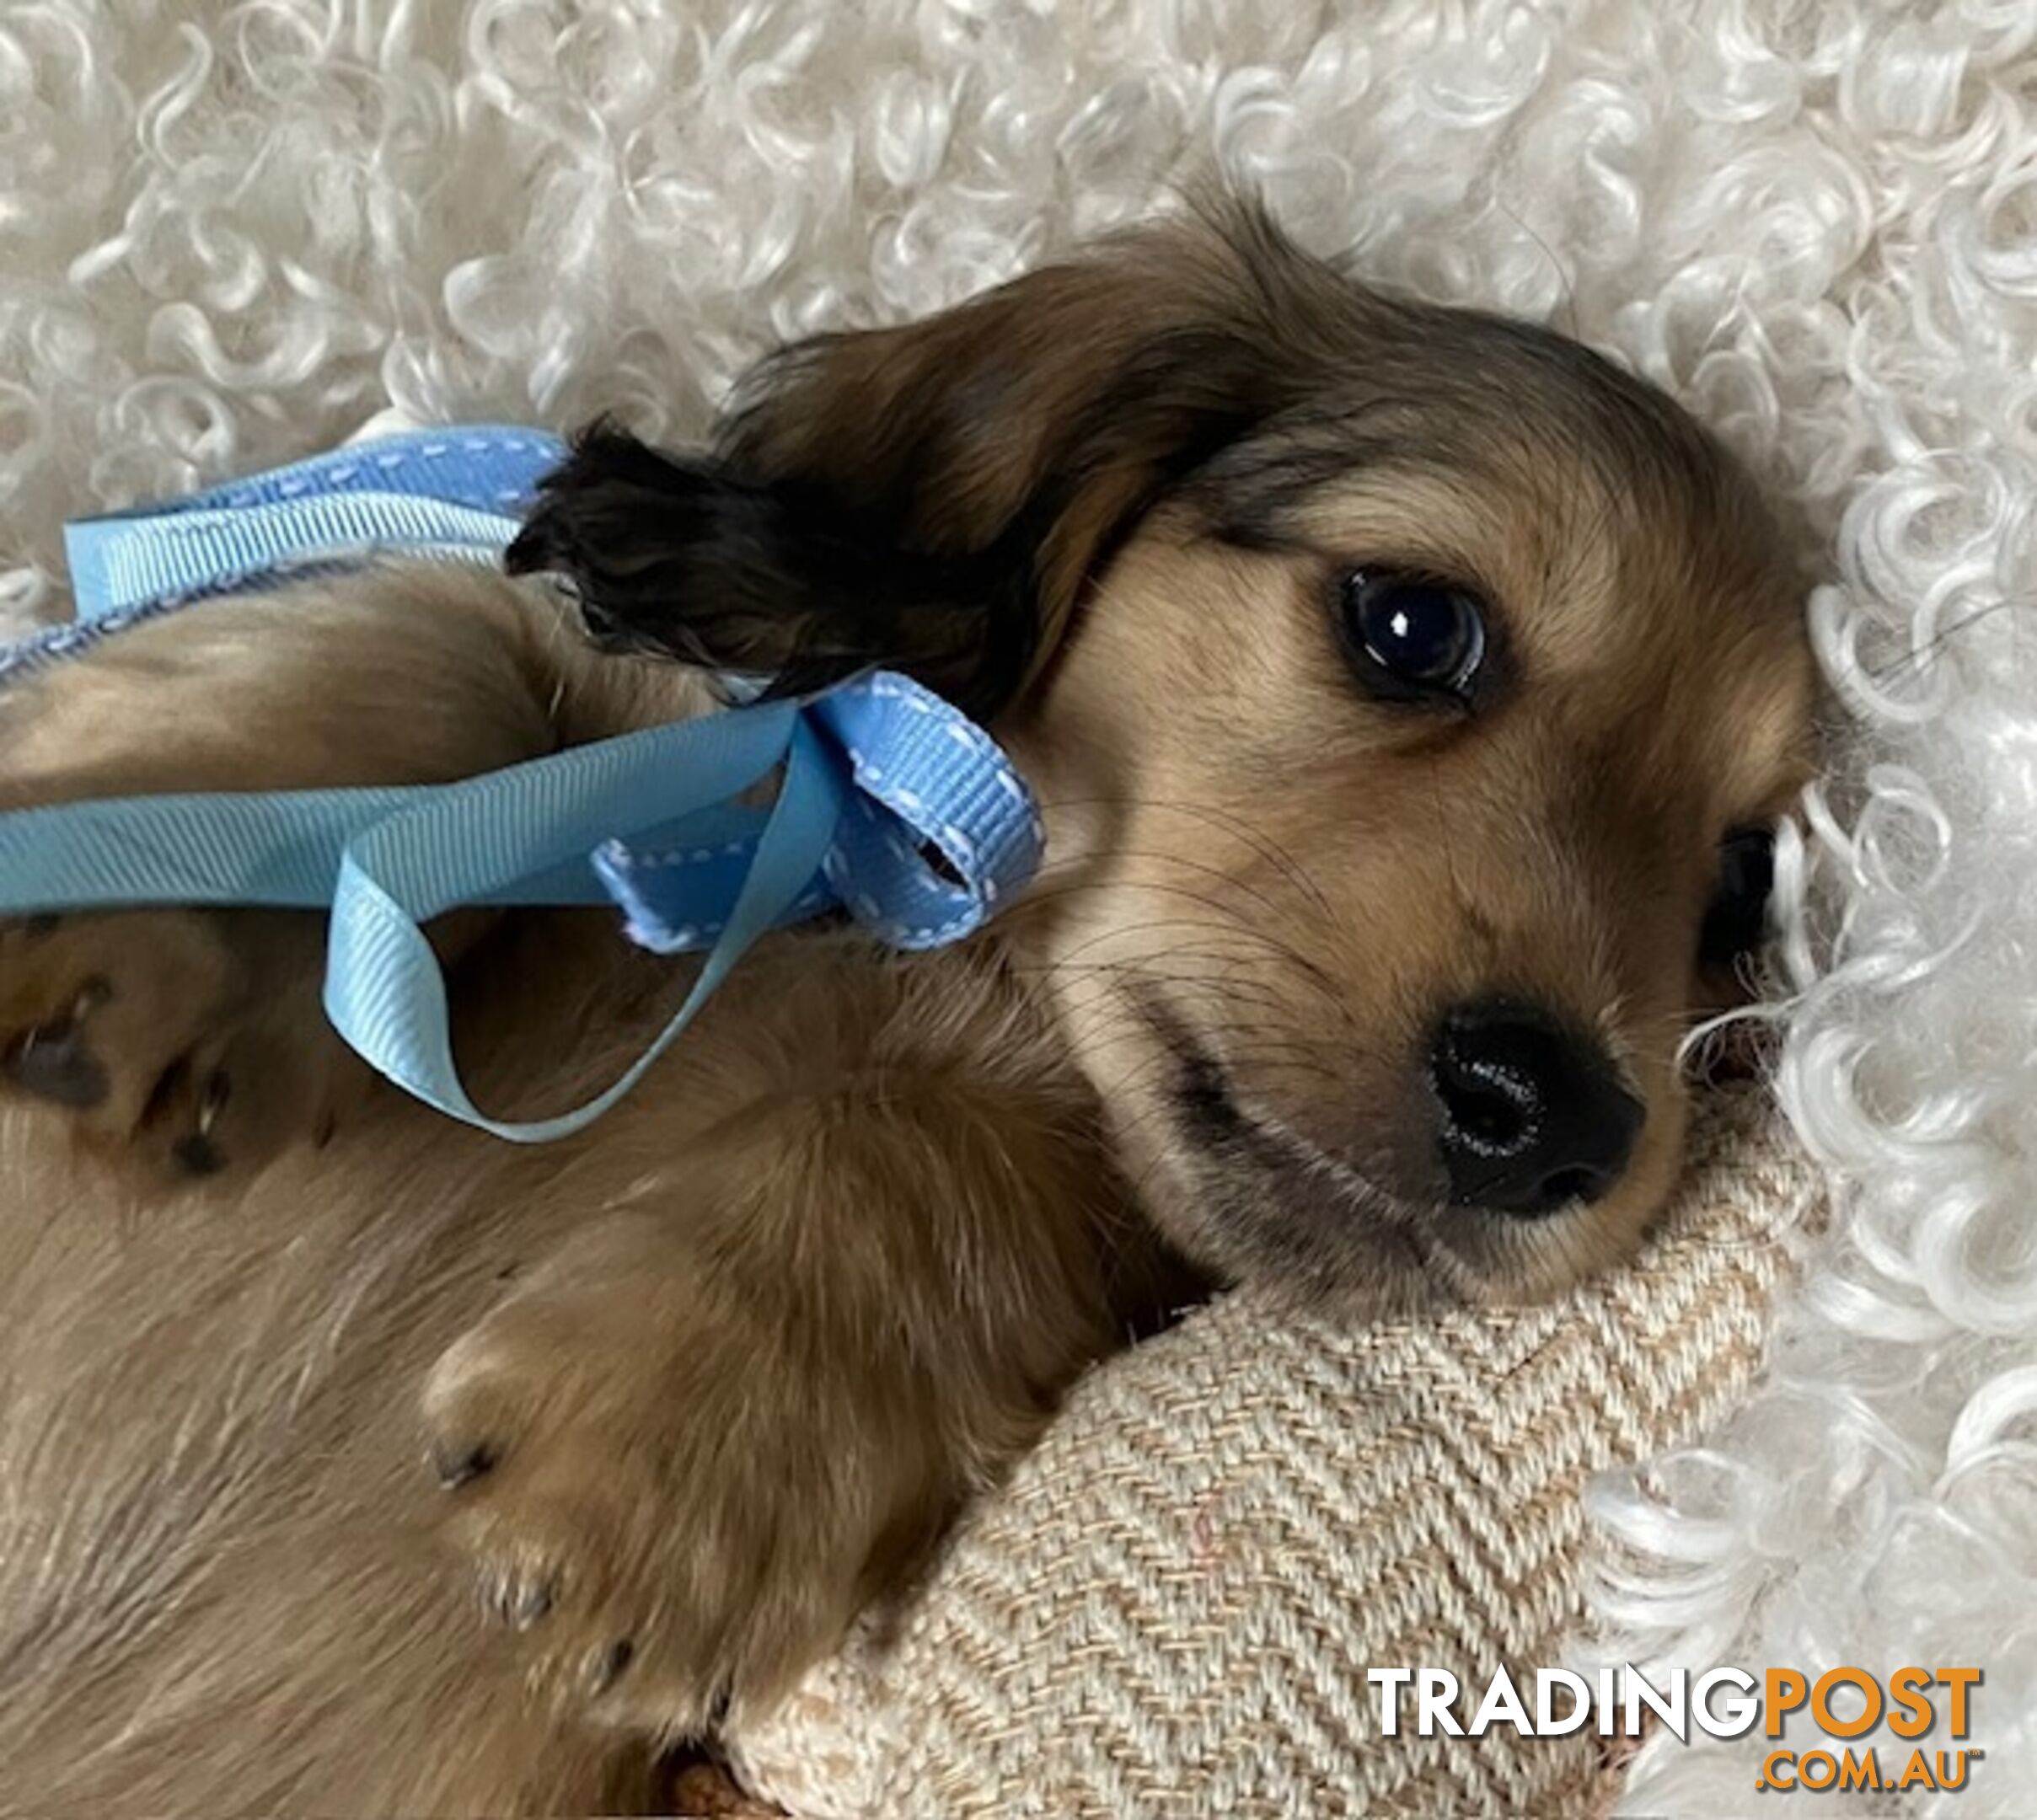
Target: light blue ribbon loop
{"x":118,"y":565}
{"x":384,"y":989}
{"x":899,"y":739}
{"x":872,"y":777}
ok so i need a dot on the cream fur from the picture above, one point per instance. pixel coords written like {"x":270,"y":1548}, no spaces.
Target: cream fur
{"x":229,"y":234}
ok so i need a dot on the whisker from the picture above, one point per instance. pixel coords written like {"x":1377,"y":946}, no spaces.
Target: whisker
{"x":1258,"y":840}
{"x":1049,"y":868}
{"x":1231,"y":929}
{"x":1918,"y":655}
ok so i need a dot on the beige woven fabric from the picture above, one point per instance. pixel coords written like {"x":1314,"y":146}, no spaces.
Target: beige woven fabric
{"x":1171,"y":1609}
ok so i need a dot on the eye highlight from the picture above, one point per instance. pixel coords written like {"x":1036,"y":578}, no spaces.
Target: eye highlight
{"x":1737,"y":918}
{"x":1411,"y":638}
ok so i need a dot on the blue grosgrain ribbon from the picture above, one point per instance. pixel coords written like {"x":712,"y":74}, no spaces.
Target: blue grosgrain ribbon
{"x":874,"y":775}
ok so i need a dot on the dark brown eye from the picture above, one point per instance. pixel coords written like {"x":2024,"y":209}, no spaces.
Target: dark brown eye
{"x":1737,"y":918}
{"x":1409,"y":638}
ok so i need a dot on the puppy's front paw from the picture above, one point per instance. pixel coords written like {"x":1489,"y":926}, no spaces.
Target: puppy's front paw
{"x":640,"y":1492}
{"x":174,"y":1044}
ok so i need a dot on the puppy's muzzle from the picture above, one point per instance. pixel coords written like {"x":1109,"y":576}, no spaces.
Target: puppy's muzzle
{"x":1532,"y":1115}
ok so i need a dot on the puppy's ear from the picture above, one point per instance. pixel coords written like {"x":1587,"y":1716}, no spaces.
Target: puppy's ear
{"x":932,"y":498}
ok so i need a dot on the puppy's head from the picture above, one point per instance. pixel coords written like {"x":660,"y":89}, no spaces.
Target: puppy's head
{"x":1407,"y":689}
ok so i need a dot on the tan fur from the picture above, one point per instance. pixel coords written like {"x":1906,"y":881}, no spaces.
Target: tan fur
{"x":702,"y":1384}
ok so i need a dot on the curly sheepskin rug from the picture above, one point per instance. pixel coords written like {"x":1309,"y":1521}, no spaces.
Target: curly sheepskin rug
{"x":232,"y":234}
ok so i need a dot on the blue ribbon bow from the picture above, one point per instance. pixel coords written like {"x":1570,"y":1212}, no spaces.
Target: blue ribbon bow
{"x":875,"y":774}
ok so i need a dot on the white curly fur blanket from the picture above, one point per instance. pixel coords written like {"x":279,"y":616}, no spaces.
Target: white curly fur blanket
{"x":230,"y":233}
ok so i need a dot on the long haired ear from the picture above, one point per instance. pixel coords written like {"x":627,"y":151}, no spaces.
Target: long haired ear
{"x":932,"y":498}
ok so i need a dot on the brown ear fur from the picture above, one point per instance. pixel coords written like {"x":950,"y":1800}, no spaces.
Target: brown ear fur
{"x":931,"y":498}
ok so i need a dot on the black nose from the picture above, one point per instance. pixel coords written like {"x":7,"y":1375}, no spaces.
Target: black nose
{"x":1534,"y":1115}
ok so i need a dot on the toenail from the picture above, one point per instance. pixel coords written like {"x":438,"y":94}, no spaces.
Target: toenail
{"x":609,"y":1666}
{"x":456,"y":1467}
{"x":218,"y":1089}
{"x":198,"y":1154}
{"x":53,"y":1064}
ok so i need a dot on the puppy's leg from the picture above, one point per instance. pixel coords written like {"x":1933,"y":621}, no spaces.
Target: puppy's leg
{"x":688,"y":1446}
{"x":180,"y":1043}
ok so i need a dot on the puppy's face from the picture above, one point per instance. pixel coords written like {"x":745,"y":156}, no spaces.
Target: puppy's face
{"x":1407,"y":691}
{"x":1392,"y":772}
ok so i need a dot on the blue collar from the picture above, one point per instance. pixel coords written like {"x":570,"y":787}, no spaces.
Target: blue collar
{"x":875,"y":773}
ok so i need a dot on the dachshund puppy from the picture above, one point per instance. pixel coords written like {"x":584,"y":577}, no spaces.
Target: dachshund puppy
{"x":1406,"y":689}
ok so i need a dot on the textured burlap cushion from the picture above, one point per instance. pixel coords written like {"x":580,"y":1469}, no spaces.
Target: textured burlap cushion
{"x":1171,"y":1608}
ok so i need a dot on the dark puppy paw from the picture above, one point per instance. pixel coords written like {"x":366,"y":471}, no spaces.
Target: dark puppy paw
{"x":175,"y":1045}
